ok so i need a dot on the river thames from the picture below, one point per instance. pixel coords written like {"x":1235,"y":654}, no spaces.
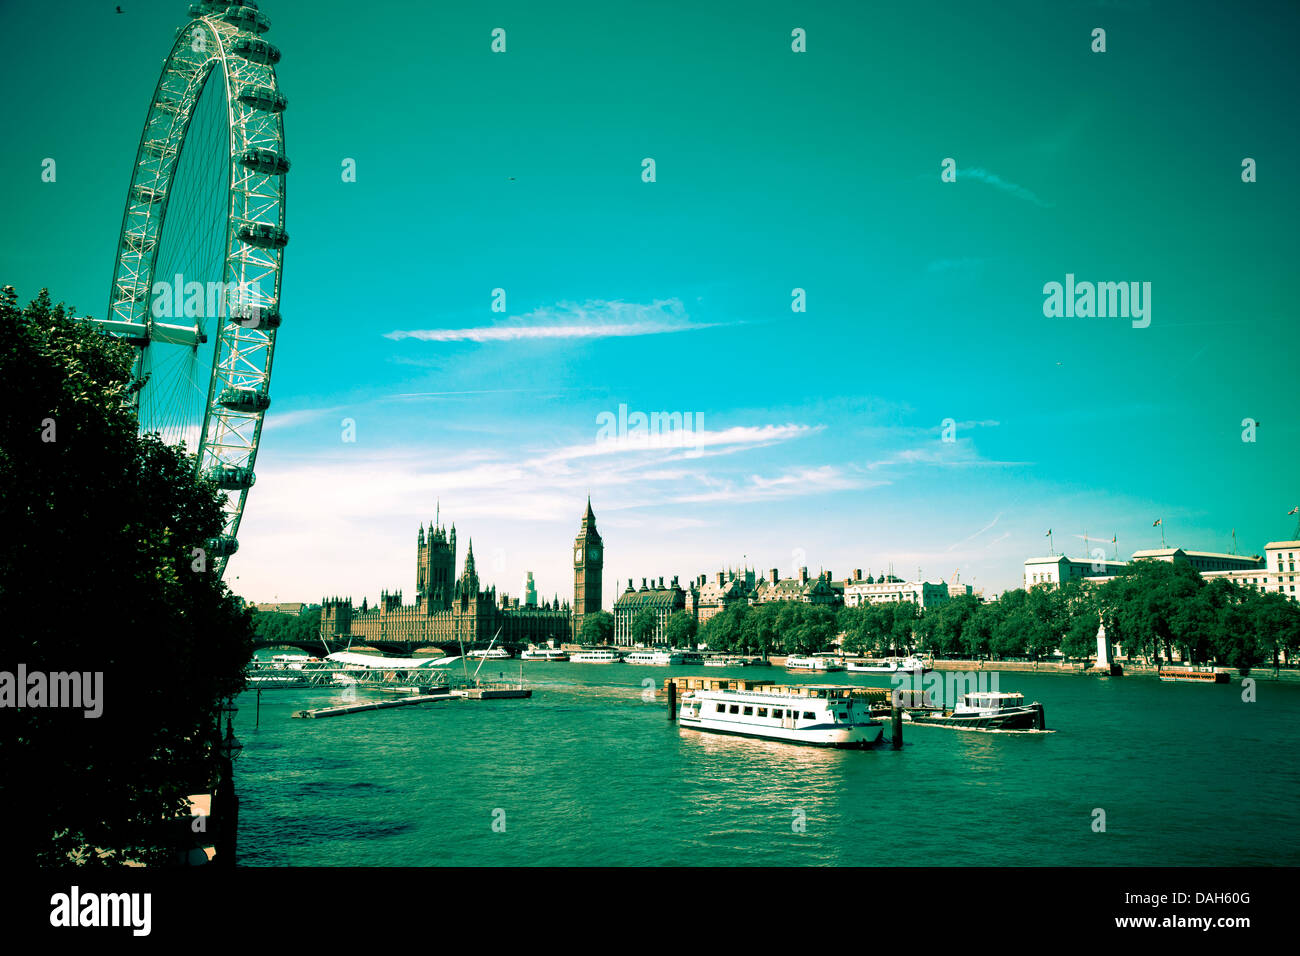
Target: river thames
{"x":588,"y":773}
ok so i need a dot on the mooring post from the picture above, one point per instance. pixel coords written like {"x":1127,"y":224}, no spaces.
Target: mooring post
{"x":672,"y":701}
{"x":896,"y":726}
{"x":259,"y":709}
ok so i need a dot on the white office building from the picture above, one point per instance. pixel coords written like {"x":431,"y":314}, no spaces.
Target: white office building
{"x":870,"y":591}
{"x":1276,"y":572}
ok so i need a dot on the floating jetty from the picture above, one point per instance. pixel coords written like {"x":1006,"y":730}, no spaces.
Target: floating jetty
{"x":423,"y":695}
{"x":375,"y":705}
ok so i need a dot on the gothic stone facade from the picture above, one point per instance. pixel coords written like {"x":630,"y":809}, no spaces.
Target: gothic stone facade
{"x":447,"y":608}
{"x":588,"y":571}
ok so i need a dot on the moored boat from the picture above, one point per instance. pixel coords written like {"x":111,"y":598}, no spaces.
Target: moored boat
{"x":814,"y":663}
{"x":1194,"y":674}
{"x":817,"y":715}
{"x":658,"y":658}
{"x":594,"y":657}
{"x":986,"y":710}
{"x":871,"y":667}
{"x":910,"y":664}
{"x":491,"y":654}
{"x":543,"y":654}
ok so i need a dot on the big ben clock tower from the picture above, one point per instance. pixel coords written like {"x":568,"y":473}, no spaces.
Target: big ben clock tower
{"x":588,"y":563}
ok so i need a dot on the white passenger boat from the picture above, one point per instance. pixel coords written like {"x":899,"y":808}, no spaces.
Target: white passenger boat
{"x":986,"y":710}
{"x":871,"y":667}
{"x":491,"y":654}
{"x":818,"y":715}
{"x":544,"y":654}
{"x":594,"y":657}
{"x":815,"y":663}
{"x":910,"y":664}
{"x":653,"y":657}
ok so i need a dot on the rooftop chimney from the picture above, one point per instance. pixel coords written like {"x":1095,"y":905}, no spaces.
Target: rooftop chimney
{"x":803,"y":575}
{"x":857,"y":574}
{"x":771,"y":575}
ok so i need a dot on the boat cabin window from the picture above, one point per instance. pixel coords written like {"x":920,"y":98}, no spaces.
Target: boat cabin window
{"x":735,"y":709}
{"x":809,"y":715}
{"x":762,"y":711}
{"x":749,"y":711}
{"x":722,"y":708}
{"x":777,"y":712}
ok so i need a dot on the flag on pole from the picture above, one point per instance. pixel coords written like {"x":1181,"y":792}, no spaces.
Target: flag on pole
{"x":1049,"y":533}
{"x":1155,"y":523}
{"x":1293,"y":511}
{"x":1112,"y":539}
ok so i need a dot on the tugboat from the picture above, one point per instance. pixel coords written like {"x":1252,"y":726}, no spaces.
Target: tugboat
{"x":986,"y":710}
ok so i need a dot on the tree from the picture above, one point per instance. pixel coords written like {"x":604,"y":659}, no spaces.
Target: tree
{"x":285,"y":628}
{"x":598,"y":628}
{"x":680,"y":629}
{"x":942,"y":636}
{"x":903,"y":620}
{"x":870,"y":629}
{"x":1146,"y":600}
{"x":102,"y":528}
{"x":1275,"y":621}
{"x":644,"y":625}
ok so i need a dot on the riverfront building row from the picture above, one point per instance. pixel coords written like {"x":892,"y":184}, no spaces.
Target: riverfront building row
{"x":1275,"y":570}
{"x":707,"y":596}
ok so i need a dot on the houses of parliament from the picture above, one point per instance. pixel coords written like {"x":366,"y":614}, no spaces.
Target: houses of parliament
{"x":450,"y":608}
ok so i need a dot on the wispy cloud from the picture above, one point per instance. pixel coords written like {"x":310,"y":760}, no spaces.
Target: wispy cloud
{"x":693,"y":442}
{"x":958,"y":454}
{"x":993,"y":179}
{"x":802,"y":481}
{"x":567,"y":320}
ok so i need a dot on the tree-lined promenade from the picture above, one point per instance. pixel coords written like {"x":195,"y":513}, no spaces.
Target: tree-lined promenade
{"x":1157,"y":610}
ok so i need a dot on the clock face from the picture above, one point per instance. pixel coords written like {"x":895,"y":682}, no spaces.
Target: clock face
{"x":594,"y":554}
{"x":577,"y":556}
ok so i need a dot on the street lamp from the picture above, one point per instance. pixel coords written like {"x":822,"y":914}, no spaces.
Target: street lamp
{"x":230,"y":745}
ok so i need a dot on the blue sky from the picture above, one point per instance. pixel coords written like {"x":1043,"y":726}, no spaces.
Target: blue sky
{"x":821,"y":440}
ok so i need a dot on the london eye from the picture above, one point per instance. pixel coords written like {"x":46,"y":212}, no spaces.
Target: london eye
{"x":198,"y":271}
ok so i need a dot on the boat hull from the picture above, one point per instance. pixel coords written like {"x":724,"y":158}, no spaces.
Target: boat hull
{"x":860,"y":736}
